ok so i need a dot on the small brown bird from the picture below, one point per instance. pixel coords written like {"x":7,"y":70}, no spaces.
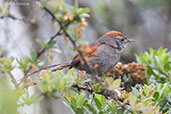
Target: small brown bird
{"x":103,"y":54}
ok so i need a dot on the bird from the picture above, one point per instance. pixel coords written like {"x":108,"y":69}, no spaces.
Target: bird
{"x":101,"y":56}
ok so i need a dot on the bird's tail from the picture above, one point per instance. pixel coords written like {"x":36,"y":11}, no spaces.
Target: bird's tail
{"x":54,"y":67}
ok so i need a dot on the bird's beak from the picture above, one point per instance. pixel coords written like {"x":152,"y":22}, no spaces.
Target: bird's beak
{"x":131,"y":40}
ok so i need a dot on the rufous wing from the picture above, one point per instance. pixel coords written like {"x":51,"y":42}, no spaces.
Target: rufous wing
{"x":87,"y":51}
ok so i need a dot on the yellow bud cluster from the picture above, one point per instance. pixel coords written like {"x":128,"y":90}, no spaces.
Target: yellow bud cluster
{"x":82,"y":74}
{"x":79,"y":28}
{"x":83,"y":24}
{"x":33,"y":67}
{"x":29,"y":82}
{"x":69,"y":17}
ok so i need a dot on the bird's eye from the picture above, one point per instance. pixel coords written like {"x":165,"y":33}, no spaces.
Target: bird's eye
{"x":121,"y":38}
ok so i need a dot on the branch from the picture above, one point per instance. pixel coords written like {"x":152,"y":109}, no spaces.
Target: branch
{"x":59,"y":67}
{"x":51,"y":39}
{"x":106,"y":94}
{"x":81,"y":87}
{"x":15,"y":18}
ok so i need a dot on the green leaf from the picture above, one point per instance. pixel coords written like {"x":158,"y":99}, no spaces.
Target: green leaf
{"x":167,"y":67}
{"x":135,"y":92}
{"x":6,"y":64}
{"x":83,"y":10}
{"x":163,"y":103}
{"x":80,"y":100}
{"x":101,"y":112}
{"x":71,"y":93}
{"x":70,"y":72}
{"x":115,"y":84}
{"x":91,"y":108}
{"x":165,"y":58}
{"x":34,"y":57}
{"x":51,"y":44}
{"x":97,"y":87}
{"x":23,"y":63}
{"x":28,"y":100}
{"x":42,"y":87}
{"x":41,"y":42}
{"x":103,"y":99}
{"x":150,"y":71}
{"x":156,"y":96}
{"x":132,"y":101}
{"x":79,"y":111}
{"x":46,"y":45}
{"x":98,"y":104}
{"x":113,"y":108}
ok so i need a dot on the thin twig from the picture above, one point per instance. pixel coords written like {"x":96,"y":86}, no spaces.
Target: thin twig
{"x":59,"y":67}
{"x":16,"y":18}
{"x":81,"y":87}
{"x":51,"y":39}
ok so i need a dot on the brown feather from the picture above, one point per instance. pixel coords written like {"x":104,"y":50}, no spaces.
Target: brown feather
{"x":114,"y":33}
{"x":88,"y":51}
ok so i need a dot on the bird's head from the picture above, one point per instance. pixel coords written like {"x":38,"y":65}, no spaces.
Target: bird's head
{"x":119,"y":38}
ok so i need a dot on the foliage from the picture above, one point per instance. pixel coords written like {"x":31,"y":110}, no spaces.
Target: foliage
{"x":96,"y":104}
{"x":9,"y":98}
{"x":60,"y":83}
{"x":157,"y":97}
{"x":158,"y":64}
